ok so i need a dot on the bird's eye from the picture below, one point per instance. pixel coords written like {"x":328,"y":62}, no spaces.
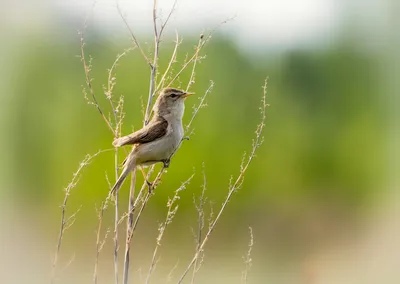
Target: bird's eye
{"x":173,"y":95}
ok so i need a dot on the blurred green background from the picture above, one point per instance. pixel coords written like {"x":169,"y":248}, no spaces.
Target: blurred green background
{"x":320,"y":195}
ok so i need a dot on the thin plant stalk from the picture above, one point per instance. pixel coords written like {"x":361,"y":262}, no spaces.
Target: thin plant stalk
{"x":172,"y":209}
{"x":238,"y":182}
{"x":129,"y":224}
{"x":248,"y":260}
{"x":200,"y":223}
{"x":67,"y":222}
{"x":99,"y":243}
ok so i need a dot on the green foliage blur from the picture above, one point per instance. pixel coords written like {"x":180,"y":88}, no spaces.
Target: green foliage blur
{"x":323,"y":160}
{"x":323,"y":137}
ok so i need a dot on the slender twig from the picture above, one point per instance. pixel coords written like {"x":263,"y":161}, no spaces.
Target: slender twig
{"x":121,"y":115}
{"x":133,"y":37}
{"x":66,"y":222}
{"x":116,"y":218}
{"x":171,"y":61}
{"x":71,"y":219}
{"x":202,"y":42}
{"x":87,"y":66}
{"x":154,"y":66}
{"x":100,"y":243}
{"x":155,"y":20}
{"x":200,"y":105}
{"x":129,"y":224}
{"x":200,"y":222}
{"x":157,"y":39}
{"x":116,"y":244}
{"x":118,"y":116}
{"x":139,"y":199}
{"x":196,"y":58}
{"x":153,"y":72}
{"x":70,"y":261}
{"x":111,"y":82}
{"x":257,"y":141}
{"x":118,"y":122}
{"x":247,"y":259}
{"x":163,"y":25}
{"x":139,"y":214}
{"x":172,"y":209}
{"x":169,"y":276}
{"x":199,"y":47}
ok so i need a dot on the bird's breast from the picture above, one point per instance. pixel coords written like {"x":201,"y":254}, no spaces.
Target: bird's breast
{"x":162,"y":148}
{"x":175,"y":133}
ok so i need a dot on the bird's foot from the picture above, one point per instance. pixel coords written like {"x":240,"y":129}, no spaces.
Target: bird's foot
{"x":166,"y":163}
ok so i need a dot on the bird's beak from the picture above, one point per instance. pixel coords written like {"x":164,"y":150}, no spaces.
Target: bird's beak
{"x":185,"y":95}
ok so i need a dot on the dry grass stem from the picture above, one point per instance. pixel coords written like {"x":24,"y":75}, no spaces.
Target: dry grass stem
{"x":196,"y":58}
{"x":87,"y":66}
{"x":66,"y":222}
{"x":116,"y":244}
{"x":154,"y":66}
{"x":200,"y":223}
{"x":247,"y":259}
{"x":111,"y":82}
{"x":129,"y":225}
{"x":121,"y":115}
{"x":100,"y":243}
{"x":138,"y":200}
{"x":132,"y":35}
{"x":70,"y":261}
{"x":118,"y":121}
{"x":116,"y":219}
{"x":118,"y":118}
{"x":171,"y":272}
{"x":172,"y":209}
{"x":201,"y":104}
{"x":163,"y":25}
{"x":171,"y":62}
{"x":234,"y":186}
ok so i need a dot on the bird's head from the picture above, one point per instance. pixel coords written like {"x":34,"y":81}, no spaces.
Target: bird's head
{"x":170,"y":102}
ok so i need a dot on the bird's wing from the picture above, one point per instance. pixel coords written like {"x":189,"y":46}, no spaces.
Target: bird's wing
{"x":153,"y":131}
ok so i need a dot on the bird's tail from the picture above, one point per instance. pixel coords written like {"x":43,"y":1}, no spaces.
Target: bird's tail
{"x":120,"y":181}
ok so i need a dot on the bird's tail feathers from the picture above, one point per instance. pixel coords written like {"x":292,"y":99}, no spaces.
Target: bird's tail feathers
{"x":120,"y":181}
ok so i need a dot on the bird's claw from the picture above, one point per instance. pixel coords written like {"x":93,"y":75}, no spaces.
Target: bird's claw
{"x":166,"y":163}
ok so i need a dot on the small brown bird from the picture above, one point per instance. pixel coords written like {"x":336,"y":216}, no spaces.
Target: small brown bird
{"x":158,"y":140}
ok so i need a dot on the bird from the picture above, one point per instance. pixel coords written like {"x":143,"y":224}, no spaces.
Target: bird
{"x":158,"y":140}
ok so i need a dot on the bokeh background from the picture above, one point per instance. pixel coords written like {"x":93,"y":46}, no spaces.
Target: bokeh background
{"x":321,"y":196}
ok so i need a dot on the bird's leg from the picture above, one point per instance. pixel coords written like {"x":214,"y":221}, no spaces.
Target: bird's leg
{"x":166,"y":163}
{"x":149,"y":184}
